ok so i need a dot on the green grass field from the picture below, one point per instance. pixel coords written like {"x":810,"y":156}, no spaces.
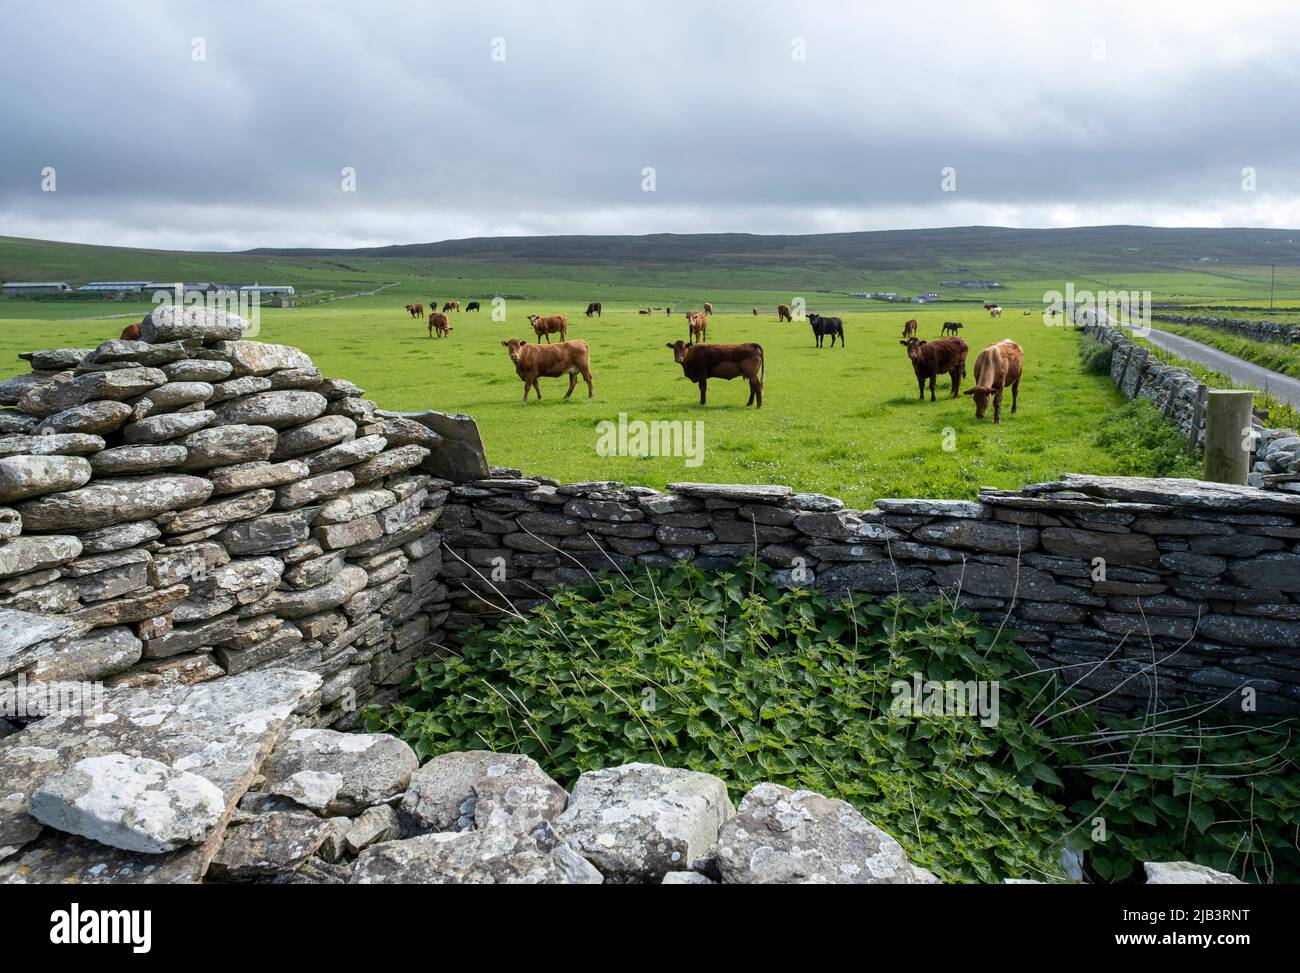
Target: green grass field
{"x":844,"y":421}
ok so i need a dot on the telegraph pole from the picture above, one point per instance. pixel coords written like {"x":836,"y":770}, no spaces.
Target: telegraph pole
{"x":1271,"y":277}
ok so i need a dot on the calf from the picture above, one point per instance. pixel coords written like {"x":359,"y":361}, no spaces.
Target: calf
{"x":697,"y":325}
{"x":549,"y":325}
{"x":708,"y":308}
{"x":827,"y":326}
{"x":131,"y":332}
{"x":950,"y":327}
{"x":593,"y":308}
{"x":933,"y":358}
{"x":783,"y":313}
{"x":997,"y":367}
{"x":909,"y":329}
{"x":438,"y":323}
{"x":703,"y":362}
{"x":472,"y":306}
{"x":554,"y":361}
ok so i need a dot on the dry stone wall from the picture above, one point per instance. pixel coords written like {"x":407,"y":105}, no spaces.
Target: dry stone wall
{"x":1131,"y":588}
{"x":194,"y":505}
{"x":1258,"y":330}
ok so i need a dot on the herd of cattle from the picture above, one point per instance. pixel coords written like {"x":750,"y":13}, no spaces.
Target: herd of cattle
{"x":998,"y":367}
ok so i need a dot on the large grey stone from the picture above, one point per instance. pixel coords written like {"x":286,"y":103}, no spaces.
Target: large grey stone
{"x":279,"y":410}
{"x":31,"y":476}
{"x":122,"y":460}
{"x":171,"y":425}
{"x":297,"y":604}
{"x":171,"y":322}
{"x":257,"y":358}
{"x":780,"y":836}
{"x":339,"y":773}
{"x":114,"y":501}
{"x":132,"y":803}
{"x":478,"y":788}
{"x":491,"y":857}
{"x":315,"y":435}
{"x":93,"y":418}
{"x":20,"y":555}
{"x":1186,"y":873}
{"x":114,"y":386}
{"x":268,"y":844}
{"x":638,"y":822}
{"x":460,"y":457}
{"x":24,"y":636}
{"x":227,"y":445}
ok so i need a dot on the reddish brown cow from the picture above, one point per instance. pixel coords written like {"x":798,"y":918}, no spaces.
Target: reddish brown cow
{"x":698,"y":326}
{"x":415,"y":310}
{"x":708,"y":308}
{"x":131,"y":332}
{"x":997,"y":367}
{"x":549,"y":325}
{"x":783,"y":313}
{"x":933,"y":358}
{"x":909,"y":328}
{"x":438,"y":323}
{"x":703,"y":362}
{"x":451,"y":306}
{"x":554,"y":361}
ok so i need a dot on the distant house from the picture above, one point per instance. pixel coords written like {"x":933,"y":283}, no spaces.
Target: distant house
{"x":115,"y":286}
{"x":21,"y":288}
{"x":931,"y":295}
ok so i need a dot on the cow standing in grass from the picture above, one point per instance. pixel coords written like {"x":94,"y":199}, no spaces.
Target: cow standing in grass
{"x":473,"y":306}
{"x":933,"y":358}
{"x":697,"y":326}
{"x":438,"y":323}
{"x":703,"y":362}
{"x":451,"y":306}
{"x":551,"y":361}
{"x":997,"y":367}
{"x":593,"y":308}
{"x":827,"y":326}
{"x":909,"y":329}
{"x":708,"y":308}
{"x":131,"y":332}
{"x":415,"y":310}
{"x":950,"y":327}
{"x":783,"y":313}
{"x":549,"y":325}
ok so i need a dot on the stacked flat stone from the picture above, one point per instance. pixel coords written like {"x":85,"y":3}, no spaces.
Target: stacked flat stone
{"x":195,"y":504}
{"x":1207,"y":574}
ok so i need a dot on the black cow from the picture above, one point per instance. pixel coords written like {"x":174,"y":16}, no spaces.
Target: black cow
{"x":593,"y":308}
{"x":827,"y":326}
{"x":950,"y":327}
{"x":472,"y":306}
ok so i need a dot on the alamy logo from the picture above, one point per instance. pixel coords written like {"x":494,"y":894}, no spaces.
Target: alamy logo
{"x":130,"y":926}
{"x":952,"y":697}
{"x":660,"y":437}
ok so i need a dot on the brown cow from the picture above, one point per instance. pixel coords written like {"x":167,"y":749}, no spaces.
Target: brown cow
{"x":415,"y":310}
{"x":755,"y":312}
{"x":708,"y":308}
{"x":438,"y":322}
{"x":562,"y":358}
{"x":451,"y":306}
{"x":933,"y":358}
{"x":783,"y":313}
{"x":703,"y":362}
{"x":909,"y":328}
{"x":997,"y":367}
{"x":131,"y":332}
{"x":549,"y":325}
{"x":697,"y":326}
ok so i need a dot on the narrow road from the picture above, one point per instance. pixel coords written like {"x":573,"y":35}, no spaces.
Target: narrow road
{"x":1244,"y":373}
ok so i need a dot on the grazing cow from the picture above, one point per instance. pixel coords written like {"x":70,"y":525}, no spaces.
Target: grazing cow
{"x":473,"y":306}
{"x":438,"y":322}
{"x":995,"y":311}
{"x":668,"y":312}
{"x":708,"y":308}
{"x":933,"y":358}
{"x":950,"y":327}
{"x":554,"y":361}
{"x":131,"y":332}
{"x":415,"y":310}
{"x":549,"y":325}
{"x":703,"y":362}
{"x":909,"y":329}
{"x":1026,"y":314}
{"x":783,"y":313}
{"x":997,"y":367}
{"x":697,"y":326}
{"x":644,"y":310}
{"x":451,"y":306}
{"x":989,"y":307}
{"x":755,"y":312}
{"x":827,"y":326}
{"x":593,"y":308}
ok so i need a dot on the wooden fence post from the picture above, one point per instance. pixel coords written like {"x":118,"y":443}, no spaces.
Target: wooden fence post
{"x":1228,"y":438}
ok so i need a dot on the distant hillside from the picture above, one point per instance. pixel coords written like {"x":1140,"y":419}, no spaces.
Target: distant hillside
{"x":876,"y":250}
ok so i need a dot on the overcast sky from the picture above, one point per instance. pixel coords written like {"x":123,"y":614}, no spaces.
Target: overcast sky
{"x":498,"y":118}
